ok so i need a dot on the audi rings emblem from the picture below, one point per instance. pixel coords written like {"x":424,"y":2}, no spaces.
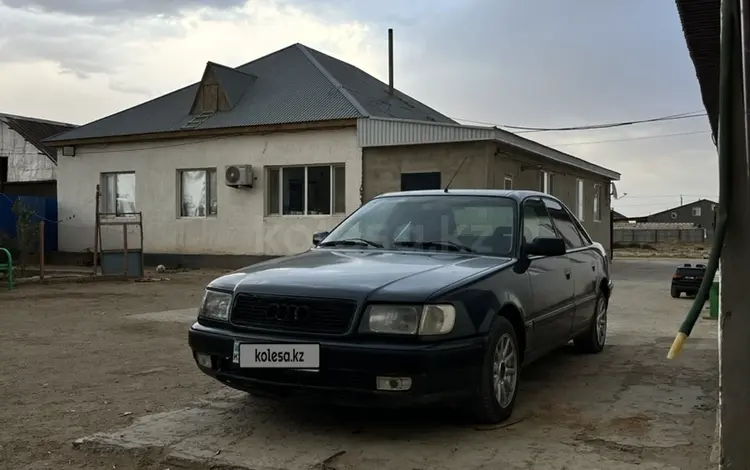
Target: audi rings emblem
{"x":287,"y":312}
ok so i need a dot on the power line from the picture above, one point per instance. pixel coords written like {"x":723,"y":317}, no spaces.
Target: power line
{"x":527,"y":129}
{"x":628,"y":139}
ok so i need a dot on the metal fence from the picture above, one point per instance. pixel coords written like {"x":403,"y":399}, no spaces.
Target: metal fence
{"x":658,"y":233}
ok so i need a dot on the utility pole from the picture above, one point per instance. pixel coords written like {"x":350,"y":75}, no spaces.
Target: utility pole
{"x":680,"y":199}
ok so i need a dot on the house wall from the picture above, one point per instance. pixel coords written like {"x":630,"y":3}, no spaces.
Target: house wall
{"x":25,"y":162}
{"x":684,"y":214}
{"x":240,"y":228}
{"x":485,"y":167}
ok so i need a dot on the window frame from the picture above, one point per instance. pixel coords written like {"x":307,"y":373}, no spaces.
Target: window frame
{"x":697,"y":211}
{"x":597,"y":209}
{"x":280,"y":209}
{"x":111,"y":212}
{"x":207,"y":171}
{"x":521,"y":223}
{"x":580,"y":200}
{"x":546,"y":184}
{"x":508,"y":178}
{"x":585,"y":238}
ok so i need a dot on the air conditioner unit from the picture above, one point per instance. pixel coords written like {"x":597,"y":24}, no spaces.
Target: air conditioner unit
{"x":239,"y":176}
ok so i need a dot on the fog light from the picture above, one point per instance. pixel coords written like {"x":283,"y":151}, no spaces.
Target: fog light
{"x":393,"y":384}
{"x":204,"y":360}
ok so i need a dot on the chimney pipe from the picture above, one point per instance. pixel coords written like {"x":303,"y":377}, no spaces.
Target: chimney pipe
{"x":390,"y":60}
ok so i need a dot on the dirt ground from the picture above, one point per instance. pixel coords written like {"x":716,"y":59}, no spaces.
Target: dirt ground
{"x":82,"y":360}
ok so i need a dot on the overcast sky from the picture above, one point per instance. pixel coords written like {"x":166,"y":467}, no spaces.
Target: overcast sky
{"x":536,"y":63}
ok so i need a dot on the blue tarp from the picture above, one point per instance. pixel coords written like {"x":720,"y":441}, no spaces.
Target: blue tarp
{"x":44,"y":209}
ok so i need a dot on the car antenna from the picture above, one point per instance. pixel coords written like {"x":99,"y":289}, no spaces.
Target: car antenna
{"x":455,"y":173}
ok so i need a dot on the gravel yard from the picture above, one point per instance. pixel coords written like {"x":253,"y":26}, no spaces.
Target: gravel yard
{"x":94,"y":361}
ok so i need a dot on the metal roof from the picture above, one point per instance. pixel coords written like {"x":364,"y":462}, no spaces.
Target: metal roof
{"x":35,"y":131}
{"x":381,"y":132}
{"x":293,"y":85}
{"x":701,"y":24}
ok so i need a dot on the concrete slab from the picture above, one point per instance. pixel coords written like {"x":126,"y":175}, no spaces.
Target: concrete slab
{"x":626,"y":408}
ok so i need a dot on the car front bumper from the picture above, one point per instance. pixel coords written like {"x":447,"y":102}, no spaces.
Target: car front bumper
{"x":439,"y":372}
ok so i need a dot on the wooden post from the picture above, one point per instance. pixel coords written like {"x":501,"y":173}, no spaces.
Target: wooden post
{"x":96,"y":230}
{"x":125,"y":248}
{"x":41,"y":250}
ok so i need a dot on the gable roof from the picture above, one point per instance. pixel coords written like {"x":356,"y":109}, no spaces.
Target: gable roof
{"x":35,"y":131}
{"x":293,"y":85}
{"x":617,"y":215}
{"x":694,"y":203}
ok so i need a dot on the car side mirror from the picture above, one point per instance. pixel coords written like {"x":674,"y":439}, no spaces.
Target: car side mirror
{"x":546,"y":247}
{"x":318,"y":237}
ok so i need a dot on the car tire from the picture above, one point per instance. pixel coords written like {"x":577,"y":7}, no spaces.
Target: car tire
{"x":675,"y":293}
{"x":491,"y":406}
{"x":593,"y":339}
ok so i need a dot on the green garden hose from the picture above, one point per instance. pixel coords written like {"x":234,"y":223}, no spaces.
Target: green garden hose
{"x":726,"y":81}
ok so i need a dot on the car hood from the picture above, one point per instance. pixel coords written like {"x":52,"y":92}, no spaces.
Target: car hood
{"x":403,"y":276}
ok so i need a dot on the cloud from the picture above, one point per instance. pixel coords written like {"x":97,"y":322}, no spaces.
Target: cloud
{"x":540,"y":63}
{"x":110,"y":66}
{"x":120,"y":8}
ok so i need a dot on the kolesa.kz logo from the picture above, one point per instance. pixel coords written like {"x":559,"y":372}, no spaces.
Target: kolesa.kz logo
{"x":293,"y":356}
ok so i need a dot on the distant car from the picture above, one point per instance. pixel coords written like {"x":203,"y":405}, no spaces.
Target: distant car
{"x":417,"y":297}
{"x":687,"y":278}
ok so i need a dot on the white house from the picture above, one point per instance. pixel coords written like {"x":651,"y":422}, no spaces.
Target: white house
{"x":27,"y":165}
{"x":312,"y":136}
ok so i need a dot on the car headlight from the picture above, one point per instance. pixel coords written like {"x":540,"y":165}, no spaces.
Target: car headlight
{"x":423,"y":320}
{"x":215,"y":305}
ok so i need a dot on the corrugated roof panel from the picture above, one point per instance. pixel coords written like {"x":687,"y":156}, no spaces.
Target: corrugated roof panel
{"x":36,"y":131}
{"x":382,"y":132}
{"x":701,"y":24}
{"x":385,"y":132}
{"x":292,"y":85}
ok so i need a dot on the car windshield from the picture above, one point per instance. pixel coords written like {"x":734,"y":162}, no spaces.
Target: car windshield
{"x":478,"y":224}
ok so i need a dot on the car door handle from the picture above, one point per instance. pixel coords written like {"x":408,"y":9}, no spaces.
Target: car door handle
{"x":567,"y":273}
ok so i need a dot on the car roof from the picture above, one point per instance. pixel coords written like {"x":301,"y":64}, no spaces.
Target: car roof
{"x":518,"y":195}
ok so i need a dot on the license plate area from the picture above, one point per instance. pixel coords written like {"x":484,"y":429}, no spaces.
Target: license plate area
{"x":299,"y":356}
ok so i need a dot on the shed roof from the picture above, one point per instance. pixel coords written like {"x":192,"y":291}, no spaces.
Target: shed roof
{"x":35,"y":131}
{"x":293,"y":85}
{"x":382,"y":132}
{"x":701,"y":24}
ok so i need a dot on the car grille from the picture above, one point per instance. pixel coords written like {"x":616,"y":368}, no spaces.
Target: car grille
{"x":308,"y":315}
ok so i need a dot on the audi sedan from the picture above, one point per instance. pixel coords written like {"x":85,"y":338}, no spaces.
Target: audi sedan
{"x":420,"y":297}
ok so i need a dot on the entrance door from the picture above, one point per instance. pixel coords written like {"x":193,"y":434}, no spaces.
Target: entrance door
{"x":418,"y":181}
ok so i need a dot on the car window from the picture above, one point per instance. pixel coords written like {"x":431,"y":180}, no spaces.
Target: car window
{"x":564,"y":224}
{"x":486,"y":224}
{"x":536,"y":221}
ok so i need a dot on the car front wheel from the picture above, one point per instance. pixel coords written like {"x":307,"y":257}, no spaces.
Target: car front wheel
{"x":498,"y":383}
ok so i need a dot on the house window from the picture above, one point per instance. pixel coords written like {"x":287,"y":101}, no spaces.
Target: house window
{"x":597,"y":203}
{"x":306,"y":190}
{"x":696,"y":211}
{"x":579,"y":199}
{"x":508,"y":182}
{"x":713,"y":207}
{"x":198,"y":193}
{"x":545,"y":182}
{"x":118,"y":194}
